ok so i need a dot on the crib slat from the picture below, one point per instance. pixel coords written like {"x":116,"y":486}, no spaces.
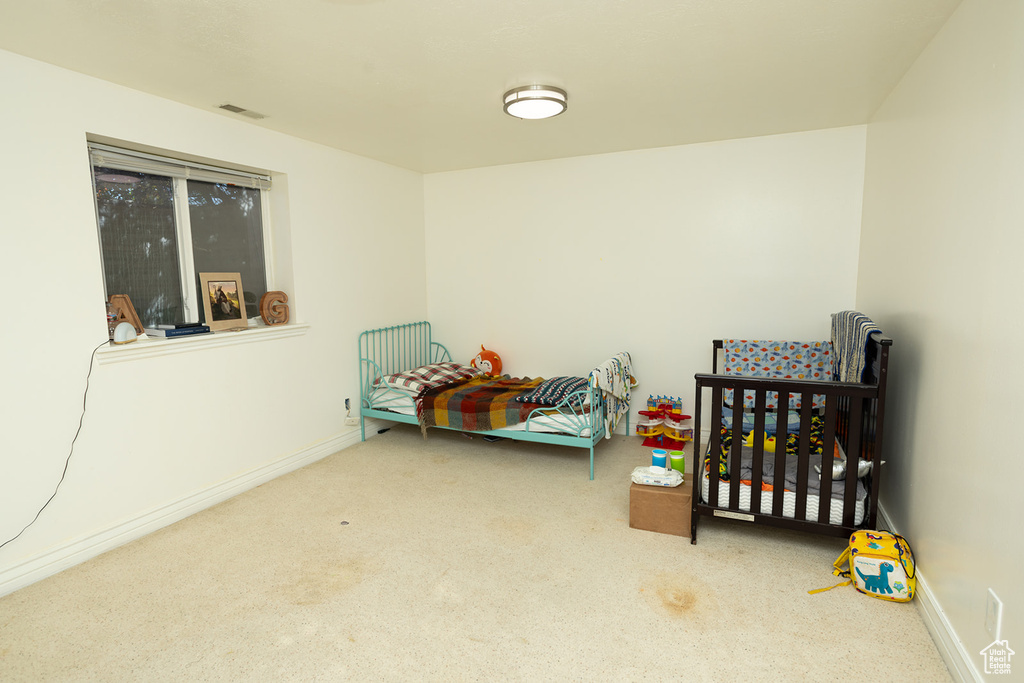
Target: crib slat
{"x":781,"y":436}
{"x":853,"y":457}
{"x":757,"y":463}
{"x":827,"y":451}
{"x":735,"y":453}
{"x":870,"y":440}
{"x":715,"y":446}
{"x":803,"y":457}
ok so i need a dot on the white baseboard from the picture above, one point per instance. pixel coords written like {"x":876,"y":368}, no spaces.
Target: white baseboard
{"x":959,"y":662}
{"x":86,"y":547}
{"x":373,"y":425}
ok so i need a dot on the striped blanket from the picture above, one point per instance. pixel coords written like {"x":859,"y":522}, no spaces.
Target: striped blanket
{"x":851,"y":331}
{"x":614,"y":379}
{"x":476,"y":405}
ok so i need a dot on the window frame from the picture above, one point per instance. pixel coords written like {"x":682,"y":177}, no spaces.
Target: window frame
{"x":180,"y":171}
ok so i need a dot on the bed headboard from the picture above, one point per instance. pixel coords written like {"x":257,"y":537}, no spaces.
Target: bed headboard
{"x":397,"y":348}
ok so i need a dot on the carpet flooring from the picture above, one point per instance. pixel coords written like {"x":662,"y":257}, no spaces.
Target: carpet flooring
{"x":455,"y":559}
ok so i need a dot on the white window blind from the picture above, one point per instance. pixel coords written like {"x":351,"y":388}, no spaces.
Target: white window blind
{"x":142,"y":162}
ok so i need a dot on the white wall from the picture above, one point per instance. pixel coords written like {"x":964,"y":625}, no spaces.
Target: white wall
{"x":940,"y":269}
{"x":161,"y":431}
{"x":557,"y":265}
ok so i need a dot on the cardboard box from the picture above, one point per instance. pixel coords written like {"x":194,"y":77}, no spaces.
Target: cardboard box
{"x":665,"y":509}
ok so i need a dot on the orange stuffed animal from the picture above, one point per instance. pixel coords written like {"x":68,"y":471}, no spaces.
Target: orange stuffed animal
{"x":487,"y":361}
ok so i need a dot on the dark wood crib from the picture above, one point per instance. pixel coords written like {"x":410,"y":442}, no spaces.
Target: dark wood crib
{"x":852,"y":416}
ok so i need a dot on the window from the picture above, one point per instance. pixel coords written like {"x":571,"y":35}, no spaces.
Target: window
{"x":162,"y":222}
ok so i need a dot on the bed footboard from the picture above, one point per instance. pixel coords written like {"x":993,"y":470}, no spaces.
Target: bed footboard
{"x":580,"y":414}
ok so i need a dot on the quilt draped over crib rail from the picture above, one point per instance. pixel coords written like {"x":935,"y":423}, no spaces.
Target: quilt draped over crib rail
{"x":614,"y":379}
{"x":851,"y":331}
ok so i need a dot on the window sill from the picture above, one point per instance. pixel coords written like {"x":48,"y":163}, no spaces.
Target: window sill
{"x":150,"y":347}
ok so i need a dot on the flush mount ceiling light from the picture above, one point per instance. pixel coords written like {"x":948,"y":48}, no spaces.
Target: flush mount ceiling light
{"x":535,"y":102}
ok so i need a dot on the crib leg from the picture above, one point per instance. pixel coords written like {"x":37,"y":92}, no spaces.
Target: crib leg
{"x":591,"y":462}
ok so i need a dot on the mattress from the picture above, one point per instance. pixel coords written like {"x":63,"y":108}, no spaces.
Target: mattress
{"x":401,"y":402}
{"x":788,"y":502}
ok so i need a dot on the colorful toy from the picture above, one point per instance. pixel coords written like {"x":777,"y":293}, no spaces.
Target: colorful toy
{"x":652,"y":425}
{"x":487,"y":362}
{"x":661,"y":424}
{"x":674,"y":429}
{"x":769,"y":442}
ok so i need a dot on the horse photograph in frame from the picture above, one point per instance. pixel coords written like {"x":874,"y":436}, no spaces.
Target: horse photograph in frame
{"x":223,"y":301}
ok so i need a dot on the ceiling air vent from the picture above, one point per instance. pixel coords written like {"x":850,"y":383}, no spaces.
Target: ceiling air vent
{"x":244,"y":112}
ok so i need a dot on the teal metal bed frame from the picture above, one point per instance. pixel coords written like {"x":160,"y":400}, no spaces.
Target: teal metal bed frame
{"x":398,"y":348}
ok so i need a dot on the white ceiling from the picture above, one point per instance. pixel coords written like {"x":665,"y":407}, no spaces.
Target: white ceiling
{"x":418,"y":83}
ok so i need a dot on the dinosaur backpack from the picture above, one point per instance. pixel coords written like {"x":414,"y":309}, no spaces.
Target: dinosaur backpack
{"x":881,"y":565}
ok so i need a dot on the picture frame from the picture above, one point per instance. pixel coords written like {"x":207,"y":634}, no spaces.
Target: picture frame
{"x":223,"y":301}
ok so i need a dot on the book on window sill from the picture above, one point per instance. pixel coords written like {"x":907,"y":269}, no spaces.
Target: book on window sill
{"x":179,"y":326}
{"x":178,"y":332}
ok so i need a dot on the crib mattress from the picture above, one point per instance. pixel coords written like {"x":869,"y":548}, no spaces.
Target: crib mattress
{"x":788,"y":502}
{"x":397,"y":401}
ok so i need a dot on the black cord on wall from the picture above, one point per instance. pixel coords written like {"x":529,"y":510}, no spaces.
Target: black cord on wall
{"x":67,"y":460}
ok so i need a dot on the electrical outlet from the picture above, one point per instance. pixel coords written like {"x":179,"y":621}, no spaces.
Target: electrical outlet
{"x":993,"y":615}
{"x":350,"y":420}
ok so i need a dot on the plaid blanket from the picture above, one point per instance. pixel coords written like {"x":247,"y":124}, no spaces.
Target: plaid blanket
{"x":476,"y":405}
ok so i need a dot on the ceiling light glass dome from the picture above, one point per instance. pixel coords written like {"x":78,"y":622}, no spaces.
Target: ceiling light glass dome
{"x":535,"y":102}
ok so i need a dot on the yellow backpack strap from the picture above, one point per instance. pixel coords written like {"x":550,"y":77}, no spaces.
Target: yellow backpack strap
{"x":905,"y":556}
{"x":822,"y":590}
{"x":838,"y":571}
{"x":844,"y":558}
